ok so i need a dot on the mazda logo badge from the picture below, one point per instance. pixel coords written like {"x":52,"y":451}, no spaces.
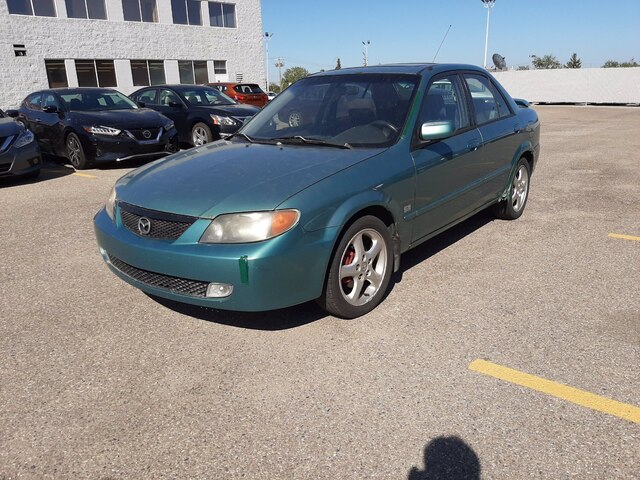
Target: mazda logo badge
{"x":146,"y":134}
{"x":144,"y":226}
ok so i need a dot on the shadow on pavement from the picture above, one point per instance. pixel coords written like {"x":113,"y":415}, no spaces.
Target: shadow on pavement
{"x":283,"y":319}
{"x":447,"y":458}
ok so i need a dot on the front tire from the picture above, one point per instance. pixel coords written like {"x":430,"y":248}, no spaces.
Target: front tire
{"x":513,"y":206}
{"x":200,"y":134}
{"x":75,"y":152}
{"x":360,"y":269}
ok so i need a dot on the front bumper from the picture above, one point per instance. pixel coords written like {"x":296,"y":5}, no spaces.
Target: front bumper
{"x":20,"y":161}
{"x":103,"y":148}
{"x":277,"y":273}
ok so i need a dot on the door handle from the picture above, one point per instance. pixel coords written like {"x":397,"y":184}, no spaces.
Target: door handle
{"x":473,"y":146}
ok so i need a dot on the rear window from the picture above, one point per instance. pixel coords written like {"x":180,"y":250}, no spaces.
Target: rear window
{"x":248,"y":88}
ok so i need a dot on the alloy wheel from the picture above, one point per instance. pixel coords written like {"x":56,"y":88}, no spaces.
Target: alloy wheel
{"x":520,"y":188}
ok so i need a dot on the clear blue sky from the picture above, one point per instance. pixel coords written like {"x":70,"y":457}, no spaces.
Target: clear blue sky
{"x":312,"y":34}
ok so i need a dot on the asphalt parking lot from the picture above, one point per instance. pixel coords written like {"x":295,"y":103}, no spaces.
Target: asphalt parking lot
{"x":98,"y":380}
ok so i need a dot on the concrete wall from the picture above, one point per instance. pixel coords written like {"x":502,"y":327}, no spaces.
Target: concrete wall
{"x":114,"y":39}
{"x":581,"y":85}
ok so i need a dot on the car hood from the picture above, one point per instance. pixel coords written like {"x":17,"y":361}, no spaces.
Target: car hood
{"x":138,"y":118}
{"x":224,"y":177}
{"x":8,"y":127}
{"x":230,"y":110}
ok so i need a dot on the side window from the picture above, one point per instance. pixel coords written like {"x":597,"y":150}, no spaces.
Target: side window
{"x":167,"y":96}
{"x":33,"y":101}
{"x":148,"y":97}
{"x":488,"y":103}
{"x":50,"y":101}
{"x":444,"y":102}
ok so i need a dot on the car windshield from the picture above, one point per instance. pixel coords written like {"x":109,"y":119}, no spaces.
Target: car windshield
{"x":93,"y":100}
{"x":207,"y":97}
{"x":354,"y":110}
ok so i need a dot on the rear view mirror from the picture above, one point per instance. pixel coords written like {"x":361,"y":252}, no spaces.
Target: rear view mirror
{"x":12,"y":113}
{"x":436,"y":130}
{"x":141,"y":104}
{"x":175,"y":104}
{"x":50,"y":109}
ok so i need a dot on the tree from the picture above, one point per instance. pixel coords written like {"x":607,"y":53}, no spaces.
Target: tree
{"x":574,"y":62}
{"x":546,"y":62}
{"x":274,"y":87}
{"x":292,"y":75}
{"x":338,"y":65}
{"x":615,"y":64}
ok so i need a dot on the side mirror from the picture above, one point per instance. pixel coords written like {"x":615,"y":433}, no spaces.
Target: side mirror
{"x":50,"y":109}
{"x":12,"y":113}
{"x":141,"y":104}
{"x":175,"y":104}
{"x":436,"y":130}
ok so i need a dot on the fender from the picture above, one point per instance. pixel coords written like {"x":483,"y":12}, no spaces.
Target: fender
{"x":525,"y":147}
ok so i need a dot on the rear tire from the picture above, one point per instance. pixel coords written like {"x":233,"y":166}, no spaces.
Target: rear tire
{"x":513,"y":206}
{"x":360,"y":269}
{"x":75,"y":152}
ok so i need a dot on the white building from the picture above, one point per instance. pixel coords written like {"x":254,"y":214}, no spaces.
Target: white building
{"x":126,"y":44}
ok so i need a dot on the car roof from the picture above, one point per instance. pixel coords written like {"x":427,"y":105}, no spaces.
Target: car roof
{"x":78,"y":90}
{"x":402,"y":68}
{"x":177,"y":86}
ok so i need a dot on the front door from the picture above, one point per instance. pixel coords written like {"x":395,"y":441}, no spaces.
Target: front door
{"x":446,"y":170}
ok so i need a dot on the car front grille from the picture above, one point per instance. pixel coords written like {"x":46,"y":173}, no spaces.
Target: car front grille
{"x":139,"y":133}
{"x":163,"y":226}
{"x":5,"y":168}
{"x":182,"y":286}
{"x":5,"y":142}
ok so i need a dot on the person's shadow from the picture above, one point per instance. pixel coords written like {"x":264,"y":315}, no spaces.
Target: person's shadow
{"x":447,"y":458}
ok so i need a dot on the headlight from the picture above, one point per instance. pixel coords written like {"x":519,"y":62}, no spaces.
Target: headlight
{"x":25,"y":138}
{"x":249,"y":227}
{"x":218,"y":120}
{"x":101,"y":130}
{"x":169,"y":126}
{"x":110,"y":205}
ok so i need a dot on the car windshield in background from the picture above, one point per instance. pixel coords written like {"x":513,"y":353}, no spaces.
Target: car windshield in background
{"x":87,"y":101}
{"x":207,"y":97}
{"x":357,"y":110}
{"x":248,"y":88}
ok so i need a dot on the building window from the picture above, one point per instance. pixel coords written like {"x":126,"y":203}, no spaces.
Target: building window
{"x":186,"y":12}
{"x":140,"y":10}
{"x":39,"y":8}
{"x":86,"y":9}
{"x":220,"y":67}
{"x":222,"y":14}
{"x":56,"y":73}
{"x":193,"y":72}
{"x":96,"y":73}
{"x":148,"y":72}
{"x":19,"y":50}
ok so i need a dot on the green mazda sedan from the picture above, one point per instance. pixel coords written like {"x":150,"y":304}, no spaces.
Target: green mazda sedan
{"x":378,"y":160}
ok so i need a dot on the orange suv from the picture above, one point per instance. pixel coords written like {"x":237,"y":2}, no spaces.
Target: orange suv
{"x":249,"y":93}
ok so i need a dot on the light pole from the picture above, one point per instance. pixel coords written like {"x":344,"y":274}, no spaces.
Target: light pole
{"x":267,"y":37}
{"x":488,"y":4}
{"x":279,"y":65}
{"x":366,"y":52}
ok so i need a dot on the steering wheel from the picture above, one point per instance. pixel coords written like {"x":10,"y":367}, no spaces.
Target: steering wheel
{"x":382,"y":124}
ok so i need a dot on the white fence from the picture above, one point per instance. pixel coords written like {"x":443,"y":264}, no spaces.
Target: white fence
{"x":580,"y":85}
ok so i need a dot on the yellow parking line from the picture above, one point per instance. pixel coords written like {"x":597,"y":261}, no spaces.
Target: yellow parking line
{"x":84,"y":175}
{"x":570,"y":394}
{"x":624,"y":237}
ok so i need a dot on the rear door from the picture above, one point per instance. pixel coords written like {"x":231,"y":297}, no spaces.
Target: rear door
{"x":446,"y":170}
{"x":498,"y":126}
{"x":30,"y":114}
{"x":51,"y":124}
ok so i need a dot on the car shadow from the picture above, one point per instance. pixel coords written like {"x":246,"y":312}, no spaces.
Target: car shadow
{"x":273,"y":320}
{"x":447,"y":458}
{"x":309,"y":312}
{"x":51,"y":169}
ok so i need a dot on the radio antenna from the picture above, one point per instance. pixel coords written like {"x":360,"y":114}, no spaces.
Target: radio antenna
{"x":443,"y":39}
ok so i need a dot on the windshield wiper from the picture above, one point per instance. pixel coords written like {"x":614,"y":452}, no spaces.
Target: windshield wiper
{"x":299,"y":139}
{"x":244,"y":135}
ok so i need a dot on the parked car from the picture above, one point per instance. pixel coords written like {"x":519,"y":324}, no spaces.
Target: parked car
{"x":19,"y":153}
{"x":278,"y":215}
{"x":249,"y":93}
{"x":201,"y":114}
{"x":88,"y":125}
{"x":271,"y":95}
